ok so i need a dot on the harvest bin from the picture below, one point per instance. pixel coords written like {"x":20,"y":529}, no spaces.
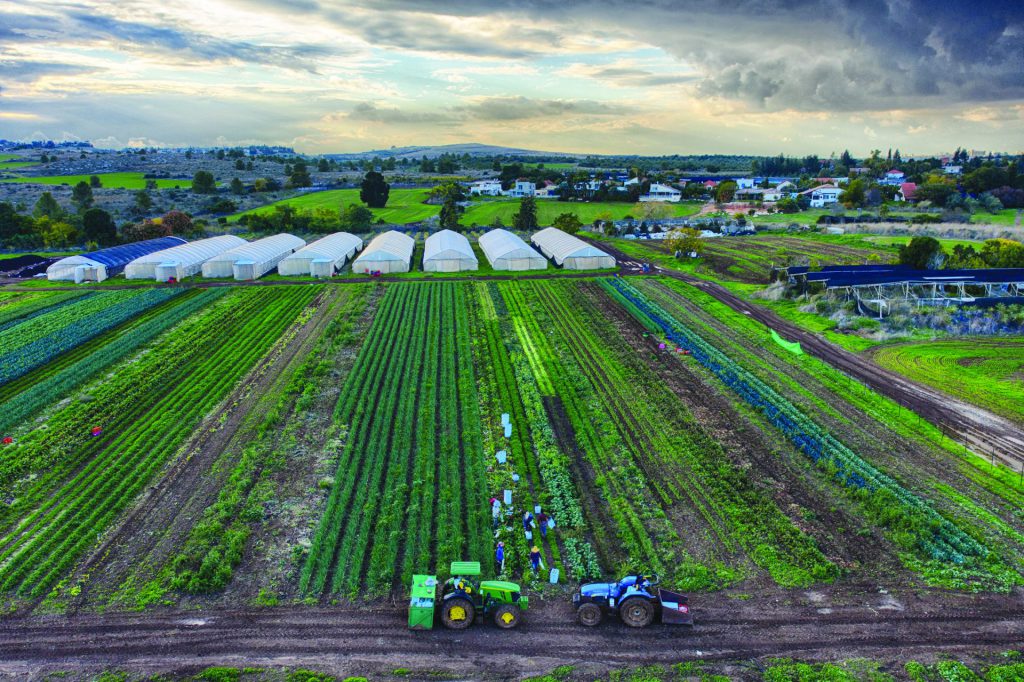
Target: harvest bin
{"x":421,"y":604}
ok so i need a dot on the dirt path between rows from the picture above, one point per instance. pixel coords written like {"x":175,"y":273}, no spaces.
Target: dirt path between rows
{"x":373,"y":640}
{"x":972,"y":426}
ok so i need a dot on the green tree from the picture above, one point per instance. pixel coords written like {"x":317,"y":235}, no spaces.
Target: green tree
{"x":299,"y":176}
{"x":237,"y":187}
{"x":935,"y":192}
{"x":177,"y":222}
{"x":1003,"y":253}
{"x":82,"y":195}
{"x":203,"y":182}
{"x":375,"y":190}
{"x":725,"y":192}
{"x":143,"y":202}
{"x":449,"y":194}
{"x":94,"y":181}
{"x":568,"y":222}
{"x":922,"y":253}
{"x":355,"y":218}
{"x":46,"y":205}
{"x":684,"y":241}
{"x":855,"y":194}
{"x":322,"y":166}
{"x":99,"y":227}
{"x":239,"y":164}
{"x":56,"y":234}
{"x":525,"y":219}
{"x":151,"y":185}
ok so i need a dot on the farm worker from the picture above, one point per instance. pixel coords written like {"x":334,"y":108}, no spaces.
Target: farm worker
{"x":535,"y":559}
{"x":542,"y":521}
{"x":499,"y":557}
{"x":527,"y":521}
{"x":495,"y":511}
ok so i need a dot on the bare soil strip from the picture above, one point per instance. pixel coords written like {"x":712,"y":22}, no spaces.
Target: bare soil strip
{"x":837,"y":625}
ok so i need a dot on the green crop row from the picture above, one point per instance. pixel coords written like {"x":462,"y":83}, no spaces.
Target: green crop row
{"x":18,"y":307}
{"x":147,"y":412}
{"x":408,"y":493}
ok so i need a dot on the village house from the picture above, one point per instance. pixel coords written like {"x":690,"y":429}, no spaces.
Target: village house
{"x":893,"y":177}
{"x":522,"y":188}
{"x":823,"y":196}
{"x":488,"y":188}
{"x":906,"y":192}
{"x":659,"y":192}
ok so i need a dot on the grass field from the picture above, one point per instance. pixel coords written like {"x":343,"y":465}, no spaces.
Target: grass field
{"x":985,"y":371}
{"x":948,"y":244}
{"x":1007,"y":216}
{"x":14,"y":165}
{"x":485,"y":213}
{"x":108,"y":180}
{"x":404,"y":205}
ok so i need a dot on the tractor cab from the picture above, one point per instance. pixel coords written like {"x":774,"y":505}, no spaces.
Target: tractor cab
{"x":464,"y":595}
{"x":636,"y":599}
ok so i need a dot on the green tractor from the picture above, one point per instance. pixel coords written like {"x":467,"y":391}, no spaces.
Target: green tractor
{"x":464,"y":596}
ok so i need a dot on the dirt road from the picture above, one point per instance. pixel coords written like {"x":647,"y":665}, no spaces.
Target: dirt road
{"x":816,"y":625}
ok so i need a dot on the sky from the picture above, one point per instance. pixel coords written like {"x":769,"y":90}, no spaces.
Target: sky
{"x":585,"y":76}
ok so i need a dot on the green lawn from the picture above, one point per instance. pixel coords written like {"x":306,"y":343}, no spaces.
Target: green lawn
{"x":1007,"y":216}
{"x":14,"y":165}
{"x":108,"y":180}
{"x":985,"y":371}
{"x":808,"y":217}
{"x":404,"y":205}
{"x":485,"y":212}
{"x":43,"y":254}
{"x":948,"y":244}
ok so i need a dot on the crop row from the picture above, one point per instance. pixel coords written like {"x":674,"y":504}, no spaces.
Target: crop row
{"x":149,"y":410}
{"x":508,"y":386}
{"x":214,"y":546}
{"x":31,"y":345}
{"x":913,"y":523}
{"x":401,"y":496}
{"x":19,"y":307}
{"x":56,"y":380}
{"x":685,"y":464}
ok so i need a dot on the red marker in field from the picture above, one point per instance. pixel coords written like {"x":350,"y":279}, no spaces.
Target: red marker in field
{"x":96,"y":431}
{"x":8,"y":440}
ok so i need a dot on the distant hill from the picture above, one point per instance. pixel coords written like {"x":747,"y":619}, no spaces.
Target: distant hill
{"x":433,"y":151}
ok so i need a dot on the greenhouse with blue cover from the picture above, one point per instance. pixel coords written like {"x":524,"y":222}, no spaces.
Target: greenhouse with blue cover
{"x":97,"y":266}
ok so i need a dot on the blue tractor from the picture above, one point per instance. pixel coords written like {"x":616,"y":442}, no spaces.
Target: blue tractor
{"x":636,"y":599}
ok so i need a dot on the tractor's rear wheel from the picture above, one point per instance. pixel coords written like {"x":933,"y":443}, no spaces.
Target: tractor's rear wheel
{"x":589,"y":615}
{"x":457,"y":613}
{"x":637,"y":612}
{"x":507,"y":616}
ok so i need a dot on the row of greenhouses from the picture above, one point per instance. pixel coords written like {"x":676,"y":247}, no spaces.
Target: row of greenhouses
{"x":170,"y":259}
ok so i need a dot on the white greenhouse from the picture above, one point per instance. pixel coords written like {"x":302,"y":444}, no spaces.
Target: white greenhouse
{"x":97,"y":266}
{"x":570,"y":252}
{"x":507,"y":251}
{"x":182,"y":261}
{"x":387,"y":252}
{"x":448,"y":251}
{"x":323,"y":257}
{"x":252,"y":260}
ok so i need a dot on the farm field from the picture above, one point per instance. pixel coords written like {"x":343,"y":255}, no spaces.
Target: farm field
{"x":751,"y":258}
{"x":985,"y":371}
{"x":108,"y":180}
{"x":404,"y":205}
{"x":1007,"y":216}
{"x":322,"y":443}
{"x":487,"y":211}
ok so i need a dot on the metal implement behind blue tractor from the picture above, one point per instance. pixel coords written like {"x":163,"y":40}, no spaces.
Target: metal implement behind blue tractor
{"x":636,"y":599}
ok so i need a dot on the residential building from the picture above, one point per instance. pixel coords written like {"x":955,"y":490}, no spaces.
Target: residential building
{"x":824,"y":195}
{"x":489,"y":188}
{"x":659,"y":192}
{"x":893,"y":177}
{"x":950,"y":169}
{"x":522,"y":188}
{"x":906,"y":192}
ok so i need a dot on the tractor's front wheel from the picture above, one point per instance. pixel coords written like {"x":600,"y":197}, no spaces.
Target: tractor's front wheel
{"x":457,"y":613}
{"x":637,"y":612}
{"x":589,"y":614}
{"x":507,"y":616}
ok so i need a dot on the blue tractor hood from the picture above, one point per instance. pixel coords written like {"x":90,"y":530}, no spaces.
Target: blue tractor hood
{"x":597,"y":589}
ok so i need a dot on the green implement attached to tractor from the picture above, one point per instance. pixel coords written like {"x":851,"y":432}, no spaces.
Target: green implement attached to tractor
{"x":462,"y":598}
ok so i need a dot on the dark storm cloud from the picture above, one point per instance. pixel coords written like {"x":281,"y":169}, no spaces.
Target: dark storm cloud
{"x":774,"y":54}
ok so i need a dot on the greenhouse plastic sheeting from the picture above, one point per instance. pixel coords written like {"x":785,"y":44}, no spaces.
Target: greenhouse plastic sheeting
{"x":507,"y":251}
{"x":180,"y":261}
{"x":252,"y":260}
{"x":323,"y":257}
{"x":448,"y":251}
{"x":570,"y":252}
{"x":99,"y":265}
{"x":388,"y":252}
